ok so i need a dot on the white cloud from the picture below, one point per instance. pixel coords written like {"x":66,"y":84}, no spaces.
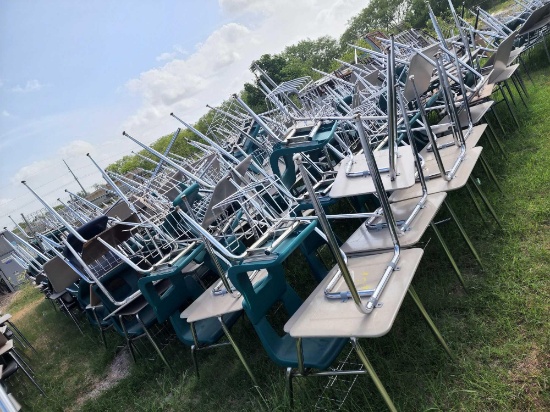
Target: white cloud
{"x":167,"y":56}
{"x":5,"y":113}
{"x":246,"y":6}
{"x":176,"y":85}
{"x":31,"y":86}
{"x":76,"y":148}
{"x":219,"y":66}
{"x":36,"y":168}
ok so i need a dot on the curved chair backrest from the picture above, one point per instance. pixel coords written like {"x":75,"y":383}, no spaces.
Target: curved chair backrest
{"x":501,"y":56}
{"x":322,"y":136}
{"x":119,"y":210}
{"x":183,"y":289}
{"x":60,"y":274}
{"x":261,"y":297}
{"x":422,"y":70}
{"x":532,"y":22}
{"x":87,"y":231}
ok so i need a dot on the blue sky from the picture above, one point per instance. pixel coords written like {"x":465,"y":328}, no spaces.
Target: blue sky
{"x":75,"y":74}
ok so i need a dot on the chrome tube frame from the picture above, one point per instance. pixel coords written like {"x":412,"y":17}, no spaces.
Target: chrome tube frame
{"x":55,"y":214}
{"x":256,"y":117}
{"x":170,"y":162}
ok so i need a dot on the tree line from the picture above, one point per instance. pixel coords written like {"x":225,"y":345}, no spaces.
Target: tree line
{"x":298,"y":60}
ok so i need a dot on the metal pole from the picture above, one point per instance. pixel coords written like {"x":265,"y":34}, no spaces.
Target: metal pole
{"x":55,"y":214}
{"x":75,"y":178}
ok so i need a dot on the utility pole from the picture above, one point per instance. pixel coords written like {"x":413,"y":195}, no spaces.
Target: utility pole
{"x":75,"y":178}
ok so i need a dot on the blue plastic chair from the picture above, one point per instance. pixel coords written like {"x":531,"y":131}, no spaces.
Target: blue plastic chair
{"x":183,"y":290}
{"x":318,"y":353}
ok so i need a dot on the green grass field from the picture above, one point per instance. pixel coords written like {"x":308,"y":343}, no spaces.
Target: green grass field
{"x":499,"y":329}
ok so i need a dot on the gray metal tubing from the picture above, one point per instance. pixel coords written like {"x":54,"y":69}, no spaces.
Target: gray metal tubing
{"x":113,"y":185}
{"x":256,"y":117}
{"x":392,"y":111}
{"x":457,"y":131}
{"x":160,"y":163}
{"x":206,"y":139}
{"x":169,"y":161}
{"x":429,"y":133}
{"x":227,"y":114}
{"x":43,"y":256}
{"x":73,"y":212}
{"x":96,"y":280}
{"x":418,"y":161}
{"x":377,"y":180}
{"x":331,"y":238}
{"x":376,"y":54}
{"x":221,"y":272}
{"x":55,"y":214}
{"x":19,"y":227}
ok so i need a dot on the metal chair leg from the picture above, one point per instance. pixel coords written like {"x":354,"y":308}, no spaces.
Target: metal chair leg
{"x":463,"y":233}
{"x":430,"y":322}
{"x":509,"y":90}
{"x":70,"y":315}
{"x":493,"y":111}
{"x":486,"y":201}
{"x":15,"y":358}
{"x":449,"y":255}
{"x":289,"y":389}
{"x":489,"y":172}
{"x":501,"y":88}
{"x":150,"y":337}
{"x":18,"y":332}
{"x":372,"y":373}
{"x":519,"y":90}
{"x":23,"y":361}
{"x":476,"y":203}
{"x":524,"y":67}
{"x":238,"y":351}
{"x":494,"y":135}
{"x":128,"y":340}
{"x":101,"y":331}
{"x":521,"y":84}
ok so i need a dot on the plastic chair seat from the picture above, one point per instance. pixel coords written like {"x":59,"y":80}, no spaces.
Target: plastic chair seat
{"x":209,"y":331}
{"x":146,"y":315}
{"x":319,"y":353}
{"x":9,"y":367}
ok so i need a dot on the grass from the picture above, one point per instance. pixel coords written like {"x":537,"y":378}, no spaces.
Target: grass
{"x":498,"y":329}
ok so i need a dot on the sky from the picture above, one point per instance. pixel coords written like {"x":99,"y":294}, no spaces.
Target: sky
{"x":75,"y":74}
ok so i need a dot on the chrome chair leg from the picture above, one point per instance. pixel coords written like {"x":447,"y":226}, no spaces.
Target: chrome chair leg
{"x":430,"y":322}
{"x":501,"y":88}
{"x":289,"y":389}
{"x":150,"y":337}
{"x":449,"y":255}
{"x":486,"y":201}
{"x":476,"y":203}
{"x":238,"y":351}
{"x":463,"y":233}
{"x":18,"y":332}
{"x":489,"y":172}
{"x":372,"y":373}
{"x":70,"y":314}
{"x":15,"y":358}
{"x":101,"y":331}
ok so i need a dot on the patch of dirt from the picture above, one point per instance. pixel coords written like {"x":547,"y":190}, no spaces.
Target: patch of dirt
{"x":23,"y":312}
{"x":118,"y":370}
{"x":6,"y":299}
{"x":528,"y":372}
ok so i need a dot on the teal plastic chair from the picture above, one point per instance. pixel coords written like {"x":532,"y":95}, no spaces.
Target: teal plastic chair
{"x":121,"y":283}
{"x":183,"y":290}
{"x":318,"y":353}
{"x":281,"y":150}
